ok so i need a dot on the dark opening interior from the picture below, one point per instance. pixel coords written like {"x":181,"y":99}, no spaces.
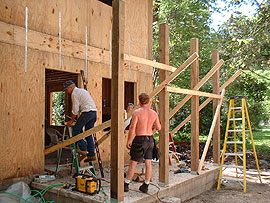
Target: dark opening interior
{"x":57,"y":103}
{"x":106,"y":98}
{"x":108,"y":2}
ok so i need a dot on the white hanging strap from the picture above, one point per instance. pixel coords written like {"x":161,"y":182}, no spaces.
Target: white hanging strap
{"x":129,"y":55}
{"x":110,"y":56}
{"x":145,"y":82}
{"x":26,"y":32}
{"x":86,"y":53}
{"x":60,"y":51}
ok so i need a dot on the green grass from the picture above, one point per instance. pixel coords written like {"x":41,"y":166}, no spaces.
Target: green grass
{"x":261,"y":139}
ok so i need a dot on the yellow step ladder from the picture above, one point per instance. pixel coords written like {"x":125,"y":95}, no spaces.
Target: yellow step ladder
{"x":238,"y":138}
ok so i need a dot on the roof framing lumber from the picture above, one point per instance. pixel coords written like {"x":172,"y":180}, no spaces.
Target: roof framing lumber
{"x":147,"y":62}
{"x":207,"y":101}
{"x":197,"y":87}
{"x":192,"y":92}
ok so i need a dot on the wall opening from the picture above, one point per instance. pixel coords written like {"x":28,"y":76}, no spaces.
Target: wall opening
{"x":129,"y":93}
{"x":108,"y":2}
{"x":57,"y":103}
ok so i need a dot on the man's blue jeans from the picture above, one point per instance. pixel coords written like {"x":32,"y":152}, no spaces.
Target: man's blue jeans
{"x":88,"y":120}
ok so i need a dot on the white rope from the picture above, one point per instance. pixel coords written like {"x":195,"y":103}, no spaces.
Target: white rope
{"x":60,"y":50}
{"x":26,"y":33}
{"x":86,"y":46}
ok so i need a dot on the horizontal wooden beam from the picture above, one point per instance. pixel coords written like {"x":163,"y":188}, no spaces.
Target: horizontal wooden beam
{"x":189,"y":61}
{"x":206,"y":147}
{"x":15,"y":35}
{"x":147,"y":62}
{"x":207,"y":101}
{"x":78,"y":137}
{"x":192,"y":92}
{"x":197,"y":87}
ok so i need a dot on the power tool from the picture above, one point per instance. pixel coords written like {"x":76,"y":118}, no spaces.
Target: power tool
{"x":87,"y":184}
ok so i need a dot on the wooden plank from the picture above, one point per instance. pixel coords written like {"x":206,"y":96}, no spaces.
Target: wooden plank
{"x":197,"y":87}
{"x":164,"y":106}
{"x":206,"y":147}
{"x":216,"y":134}
{"x":231,"y":79}
{"x":49,"y":43}
{"x":192,"y":92}
{"x":195,"y":117}
{"x":147,"y":62}
{"x":117,"y":102}
{"x":183,"y":67}
{"x":78,"y":137}
{"x":207,"y":101}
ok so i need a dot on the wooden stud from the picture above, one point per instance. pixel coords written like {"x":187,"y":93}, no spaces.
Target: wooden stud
{"x":206,"y":147}
{"x":216,"y":134}
{"x":164,"y":106}
{"x":194,"y":47}
{"x":117,"y":102}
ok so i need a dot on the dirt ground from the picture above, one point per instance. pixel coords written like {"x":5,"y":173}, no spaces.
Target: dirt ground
{"x":232,"y":191}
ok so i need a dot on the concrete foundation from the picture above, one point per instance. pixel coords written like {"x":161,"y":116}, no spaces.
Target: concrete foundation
{"x":182,"y":186}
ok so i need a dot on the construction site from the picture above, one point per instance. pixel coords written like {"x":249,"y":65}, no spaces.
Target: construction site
{"x":105,"y":47}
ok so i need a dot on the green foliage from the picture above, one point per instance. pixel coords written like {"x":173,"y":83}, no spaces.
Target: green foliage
{"x":239,"y":41}
{"x":58,"y":108}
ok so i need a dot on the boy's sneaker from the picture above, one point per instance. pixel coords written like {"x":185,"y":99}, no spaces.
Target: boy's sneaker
{"x":144,"y":188}
{"x":126,"y":189}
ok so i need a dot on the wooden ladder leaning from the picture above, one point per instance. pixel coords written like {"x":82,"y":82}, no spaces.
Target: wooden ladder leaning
{"x":238,"y":138}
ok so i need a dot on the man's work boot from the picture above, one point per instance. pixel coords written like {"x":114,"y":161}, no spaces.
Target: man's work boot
{"x":90,"y":158}
{"x":144,"y":188}
{"x":126,"y":189}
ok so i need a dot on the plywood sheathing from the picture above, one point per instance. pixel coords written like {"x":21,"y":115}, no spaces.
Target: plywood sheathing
{"x":43,"y":52}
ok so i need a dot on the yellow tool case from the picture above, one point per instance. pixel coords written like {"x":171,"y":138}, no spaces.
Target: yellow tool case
{"x":87,"y":184}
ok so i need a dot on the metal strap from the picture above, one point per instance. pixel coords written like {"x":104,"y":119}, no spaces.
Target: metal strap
{"x":26,"y":33}
{"x":60,"y":51}
{"x":86,"y":52}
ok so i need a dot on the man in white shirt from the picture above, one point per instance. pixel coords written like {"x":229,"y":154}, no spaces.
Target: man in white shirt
{"x":83,"y":103}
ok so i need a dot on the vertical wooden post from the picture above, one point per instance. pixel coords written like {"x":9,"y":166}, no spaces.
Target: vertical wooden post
{"x":216,"y":135}
{"x":195,"y":116}
{"x":117,"y":102}
{"x":164,"y":106}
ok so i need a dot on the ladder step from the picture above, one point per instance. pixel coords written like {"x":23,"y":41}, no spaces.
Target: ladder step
{"x":233,"y":178}
{"x":232,"y":166}
{"x":235,"y":119}
{"x":234,"y":154}
{"x":85,"y":168}
{"x":237,"y":131}
{"x":234,"y":142}
{"x":236,"y":108}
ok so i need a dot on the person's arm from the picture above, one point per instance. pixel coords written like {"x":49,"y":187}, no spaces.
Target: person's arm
{"x":73,"y":118}
{"x":132,"y":129}
{"x":157,"y":123}
{"x":75,"y":110}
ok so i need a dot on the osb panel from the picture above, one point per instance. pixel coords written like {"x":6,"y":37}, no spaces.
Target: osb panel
{"x":22,"y":113}
{"x":100,"y":24}
{"x":136,"y":24}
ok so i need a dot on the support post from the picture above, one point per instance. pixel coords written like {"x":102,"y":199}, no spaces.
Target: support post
{"x":195,"y":119}
{"x":117,"y":103}
{"x":164,"y":106}
{"x":216,"y":135}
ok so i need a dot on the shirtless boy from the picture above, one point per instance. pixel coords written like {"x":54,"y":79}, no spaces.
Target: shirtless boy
{"x":141,"y":147}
